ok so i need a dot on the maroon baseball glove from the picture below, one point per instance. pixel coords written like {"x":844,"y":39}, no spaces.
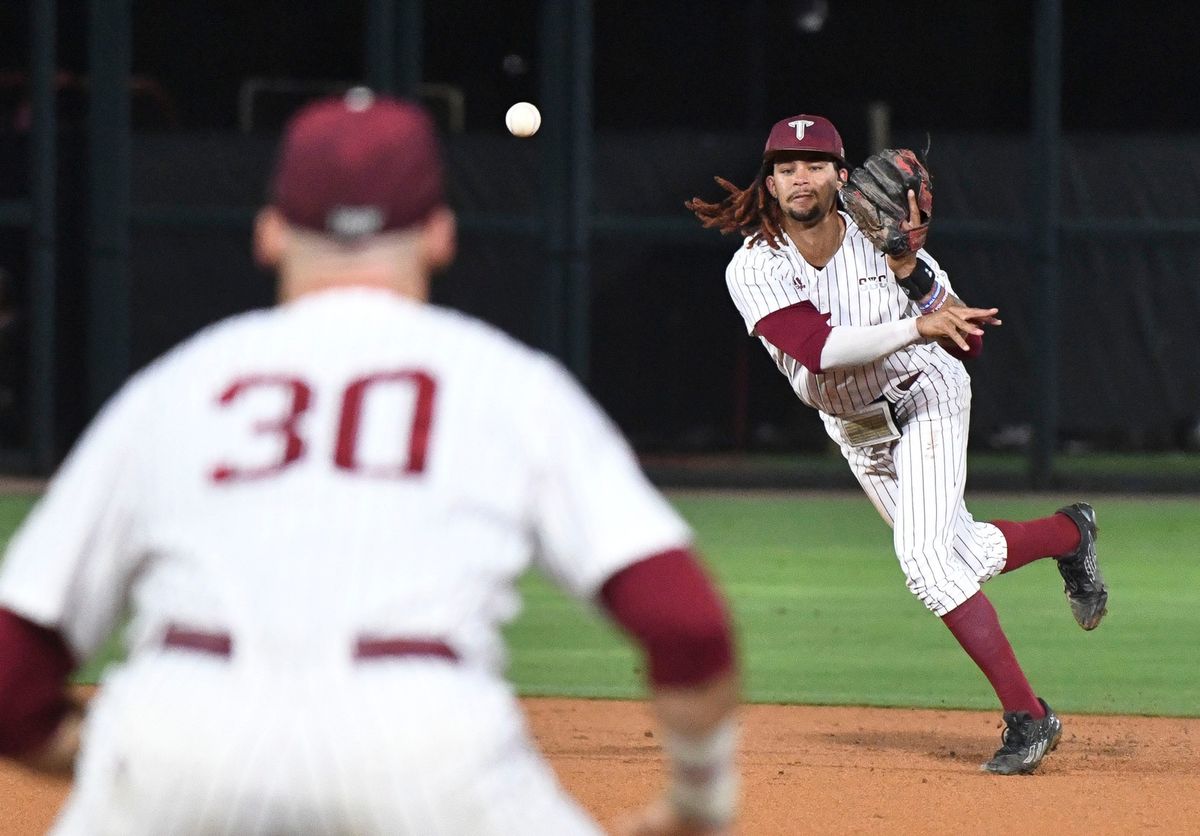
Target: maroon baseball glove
{"x":876,"y":196}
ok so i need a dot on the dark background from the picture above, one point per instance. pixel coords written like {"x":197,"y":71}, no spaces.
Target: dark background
{"x":941,"y":65}
{"x":682,"y":92}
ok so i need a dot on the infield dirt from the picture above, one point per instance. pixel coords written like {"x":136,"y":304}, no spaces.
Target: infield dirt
{"x":814,"y":770}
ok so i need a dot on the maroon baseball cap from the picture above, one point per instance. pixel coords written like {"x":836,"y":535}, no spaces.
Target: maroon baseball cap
{"x":358,"y":165}
{"x":805,"y":132}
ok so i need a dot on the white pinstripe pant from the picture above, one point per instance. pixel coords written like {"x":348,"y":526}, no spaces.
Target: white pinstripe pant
{"x":916,"y":483}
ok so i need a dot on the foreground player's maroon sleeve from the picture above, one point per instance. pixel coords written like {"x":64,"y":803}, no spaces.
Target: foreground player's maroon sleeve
{"x":34,"y":666}
{"x":799,"y":330}
{"x":669,"y":605}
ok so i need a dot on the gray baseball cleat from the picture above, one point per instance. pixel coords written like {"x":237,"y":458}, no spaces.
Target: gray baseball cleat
{"x":1085,"y":587}
{"x":1025,"y":742}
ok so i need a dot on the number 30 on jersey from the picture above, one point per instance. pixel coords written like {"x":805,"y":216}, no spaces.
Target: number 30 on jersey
{"x":298,"y":397}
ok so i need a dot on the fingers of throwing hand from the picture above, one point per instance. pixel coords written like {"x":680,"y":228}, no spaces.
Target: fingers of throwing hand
{"x":948,"y":322}
{"x":957,"y":327}
{"x":980,"y":315}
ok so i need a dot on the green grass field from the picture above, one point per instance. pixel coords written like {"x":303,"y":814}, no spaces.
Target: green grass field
{"x":823,"y":616}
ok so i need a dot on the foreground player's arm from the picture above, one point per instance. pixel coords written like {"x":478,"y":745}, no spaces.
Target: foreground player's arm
{"x":672,"y":610}
{"x":62,"y":588}
{"x":39,"y":723}
{"x":606,"y":535}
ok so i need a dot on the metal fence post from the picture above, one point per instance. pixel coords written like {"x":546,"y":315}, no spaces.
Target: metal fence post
{"x":555,"y":163}
{"x":566,"y":90}
{"x":108,"y":291}
{"x":1046,"y":161}
{"x":412,"y":46}
{"x":579,"y":282}
{"x":380,"y":37}
{"x":43,"y":154}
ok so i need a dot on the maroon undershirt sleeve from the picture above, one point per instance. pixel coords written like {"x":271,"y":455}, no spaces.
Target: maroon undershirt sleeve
{"x":799,"y":331}
{"x":672,"y":609}
{"x":34,"y":666}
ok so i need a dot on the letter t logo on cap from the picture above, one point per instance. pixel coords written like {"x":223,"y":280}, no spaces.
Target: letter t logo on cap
{"x":800,"y":125}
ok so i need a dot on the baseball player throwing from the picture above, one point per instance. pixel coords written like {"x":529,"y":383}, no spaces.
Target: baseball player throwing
{"x":316,"y":515}
{"x":875,"y":341}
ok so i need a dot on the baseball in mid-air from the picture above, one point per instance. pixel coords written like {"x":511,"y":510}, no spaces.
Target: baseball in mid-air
{"x":523,"y":119}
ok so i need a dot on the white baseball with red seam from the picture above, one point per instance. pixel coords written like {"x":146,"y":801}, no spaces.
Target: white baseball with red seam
{"x":523,"y":119}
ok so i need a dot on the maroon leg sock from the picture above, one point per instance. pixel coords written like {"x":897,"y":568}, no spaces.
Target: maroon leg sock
{"x":1051,"y":536}
{"x":976,"y":626}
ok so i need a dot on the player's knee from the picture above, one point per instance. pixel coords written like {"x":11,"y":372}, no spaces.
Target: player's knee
{"x":939,"y":597}
{"x":925,"y":594}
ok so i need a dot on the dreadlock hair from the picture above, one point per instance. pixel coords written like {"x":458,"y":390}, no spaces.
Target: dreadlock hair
{"x":751,"y":211}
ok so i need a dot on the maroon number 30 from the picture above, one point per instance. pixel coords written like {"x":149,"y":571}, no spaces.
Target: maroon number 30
{"x":345,"y":456}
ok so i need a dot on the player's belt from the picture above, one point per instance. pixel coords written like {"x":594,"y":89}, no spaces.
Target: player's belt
{"x":365,"y":648}
{"x":383,"y":648}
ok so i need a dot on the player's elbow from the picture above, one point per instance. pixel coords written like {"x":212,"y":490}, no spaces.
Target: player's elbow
{"x":800,"y":331}
{"x":668,"y":605}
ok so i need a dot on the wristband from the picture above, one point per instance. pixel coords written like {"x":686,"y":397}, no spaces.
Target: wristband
{"x":937,"y":298}
{"x":917,"y":284}
{"x":704,"y":780}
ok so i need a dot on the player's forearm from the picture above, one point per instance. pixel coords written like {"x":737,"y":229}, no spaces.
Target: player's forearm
{"x":57,"y":755}
{"x":700,"y":738}
{"x":855,"y":345}
{"x":669,"y":606}
{"x":699,"y":709}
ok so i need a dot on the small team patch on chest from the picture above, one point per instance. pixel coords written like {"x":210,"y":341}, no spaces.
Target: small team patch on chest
{"x":873,"y":282}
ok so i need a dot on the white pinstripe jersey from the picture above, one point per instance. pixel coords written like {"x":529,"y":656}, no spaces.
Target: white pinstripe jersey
{"x":855,"y":288}
{"x":350,"y":463}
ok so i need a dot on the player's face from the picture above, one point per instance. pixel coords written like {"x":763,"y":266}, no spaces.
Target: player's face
{"x":805,"y":188}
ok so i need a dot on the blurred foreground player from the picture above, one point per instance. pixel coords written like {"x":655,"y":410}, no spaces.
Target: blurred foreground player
{"x":316,"y":515}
